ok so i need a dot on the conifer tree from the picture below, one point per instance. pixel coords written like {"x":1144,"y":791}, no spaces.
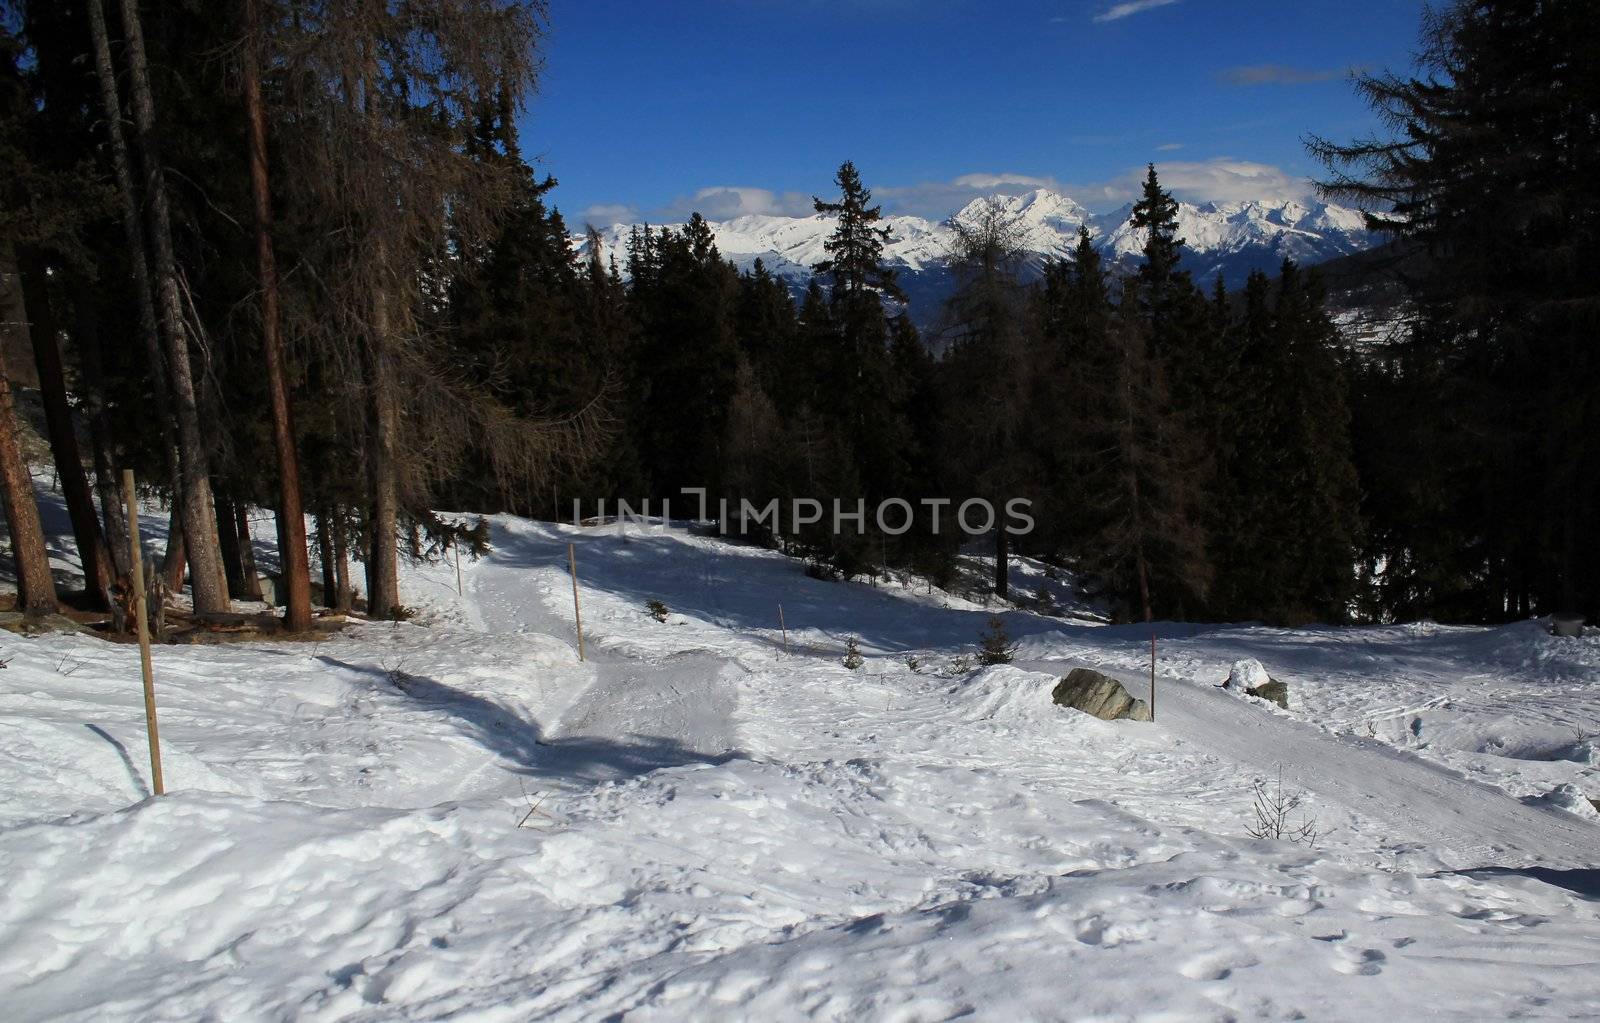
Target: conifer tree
{"x":1484,"y":169}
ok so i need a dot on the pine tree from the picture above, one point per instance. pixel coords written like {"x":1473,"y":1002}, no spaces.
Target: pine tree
{"x":1485,"y":170}
{"x":855,"y":250}
{"x":989,"y":368}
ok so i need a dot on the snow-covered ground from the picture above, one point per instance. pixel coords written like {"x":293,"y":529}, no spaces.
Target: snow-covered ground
{"x":456,"y":818}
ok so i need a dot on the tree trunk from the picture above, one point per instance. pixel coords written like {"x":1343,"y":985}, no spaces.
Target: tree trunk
{"x":330,"y":581}
{"x":247,"y":552}
{"x":175,"y":562}
{"x":58,"y":425}
{"x":36,"y":587}
{"x":296,"y":567}
{"x":114,"y":524}
{"x":149,"y":331}
{"x":199,"y":517}
{"x":343,"y":599}
{"x":1002,"y":562}
{"x":228,"y":538}
{"x":383,"y":561}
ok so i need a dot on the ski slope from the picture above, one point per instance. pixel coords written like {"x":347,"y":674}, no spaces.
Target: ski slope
{"x":459,"y":819}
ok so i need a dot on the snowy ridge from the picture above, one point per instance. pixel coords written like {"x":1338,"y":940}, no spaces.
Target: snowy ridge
{"x":1227,"y":238}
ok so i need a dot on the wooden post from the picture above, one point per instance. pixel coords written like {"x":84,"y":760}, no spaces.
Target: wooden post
{"x":455,"y":545}
{"x":141,"y":614}
{"x":577,"y":611}
{"x":1152,"y":677}
{"x":785,"y":629}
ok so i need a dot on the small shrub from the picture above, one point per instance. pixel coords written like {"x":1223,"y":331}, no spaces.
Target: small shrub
{"x":995,"y":646}
{"x":852,"y":654}
{"x":1273,"y":807}
{"x":657,"y":610}
{"x":913,"y":663}
{"x":960,"y":664}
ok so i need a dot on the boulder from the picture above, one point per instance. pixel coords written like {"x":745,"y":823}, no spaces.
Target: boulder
{"x":1249,"y":677}
{"x":1099,"y":695}
{"x":1277,"y":692}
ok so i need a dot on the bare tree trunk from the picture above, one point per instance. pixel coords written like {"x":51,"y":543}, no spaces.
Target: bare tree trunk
{"x":344,"y":599}
{"x":36,"y":587}
{"x":199,"y":517}
{"x":149,"y":330}
{"x":175,"y":563}
{"x":228,"y":538}
{"x":383,"y":561}
{"x":114,"y":524}
{"x":247,"y":552}
{"x":330,"y":582}
{"x":291,"y":514}
{"x":1002,"y":562}
{"x":59,"y":428}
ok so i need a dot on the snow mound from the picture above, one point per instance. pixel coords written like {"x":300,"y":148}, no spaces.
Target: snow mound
{"x":1247,"y":674}
{"x":1006,"y":694}
{"x":1570,"y":798}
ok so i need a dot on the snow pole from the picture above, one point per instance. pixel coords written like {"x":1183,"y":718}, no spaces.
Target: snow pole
{"x":142,"y":615}
{"x":1152,"y":677}
{"x":785,"y":629}
{"x":577,"y":611}
{"x":455,"y":545}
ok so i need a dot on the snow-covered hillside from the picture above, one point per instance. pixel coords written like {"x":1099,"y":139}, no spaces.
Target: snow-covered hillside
{"x":1228,"y":238}
{"x":456,"y":818}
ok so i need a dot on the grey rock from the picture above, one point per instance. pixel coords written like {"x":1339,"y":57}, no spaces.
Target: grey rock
{"x":1100,"y":695}
{"x":1277,"y":692}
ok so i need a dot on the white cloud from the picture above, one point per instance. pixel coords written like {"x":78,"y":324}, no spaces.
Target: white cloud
{"x":1219,"y":180}
{"x":938,"y":199}
{"x":724,"y":202}
{"x":1169,"y":147}
{"x":605,"y":214}
{"x":1123,"y":10}
{"x":1017,"y":182}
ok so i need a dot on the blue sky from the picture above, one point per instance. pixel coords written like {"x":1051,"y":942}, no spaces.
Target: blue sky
{"x":650,"y":108}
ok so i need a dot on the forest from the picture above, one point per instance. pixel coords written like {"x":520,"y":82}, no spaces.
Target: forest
{"x":292,"y":254}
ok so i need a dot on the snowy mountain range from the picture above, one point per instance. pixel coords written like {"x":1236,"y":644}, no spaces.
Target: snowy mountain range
{"x":1229,"y":238}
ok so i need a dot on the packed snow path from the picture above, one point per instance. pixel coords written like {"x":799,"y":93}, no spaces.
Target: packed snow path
{"x":713,"y":829}
{"x":687,"y":697}
{"x":1467,"y":821}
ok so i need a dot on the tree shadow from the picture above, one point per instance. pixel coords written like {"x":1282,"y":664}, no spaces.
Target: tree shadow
{"x":521,"y":741}
{"x":1582,"y":881}
{"x":127,"y":761}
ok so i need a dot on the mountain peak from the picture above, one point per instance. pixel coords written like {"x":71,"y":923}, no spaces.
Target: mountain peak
{"x":1228,"y":238}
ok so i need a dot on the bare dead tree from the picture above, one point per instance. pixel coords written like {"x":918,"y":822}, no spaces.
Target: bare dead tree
{"x":379,"y":103}
{"x":201,"y":544}
{"x":296,"y":565}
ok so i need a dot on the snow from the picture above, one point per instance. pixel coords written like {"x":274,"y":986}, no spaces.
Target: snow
{"x":1247,"y":674}
{"x":457,"y":818}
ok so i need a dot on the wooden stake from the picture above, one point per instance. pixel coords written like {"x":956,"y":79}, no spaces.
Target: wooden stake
{"x":141,"y":613}
{"x":455,"y":545}
{"x":1152,"y":677}
{"x":785,"y":629}
{"x":577,"y":611}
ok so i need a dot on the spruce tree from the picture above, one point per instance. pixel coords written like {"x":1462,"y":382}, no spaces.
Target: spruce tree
{"x":1484,"y":170}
